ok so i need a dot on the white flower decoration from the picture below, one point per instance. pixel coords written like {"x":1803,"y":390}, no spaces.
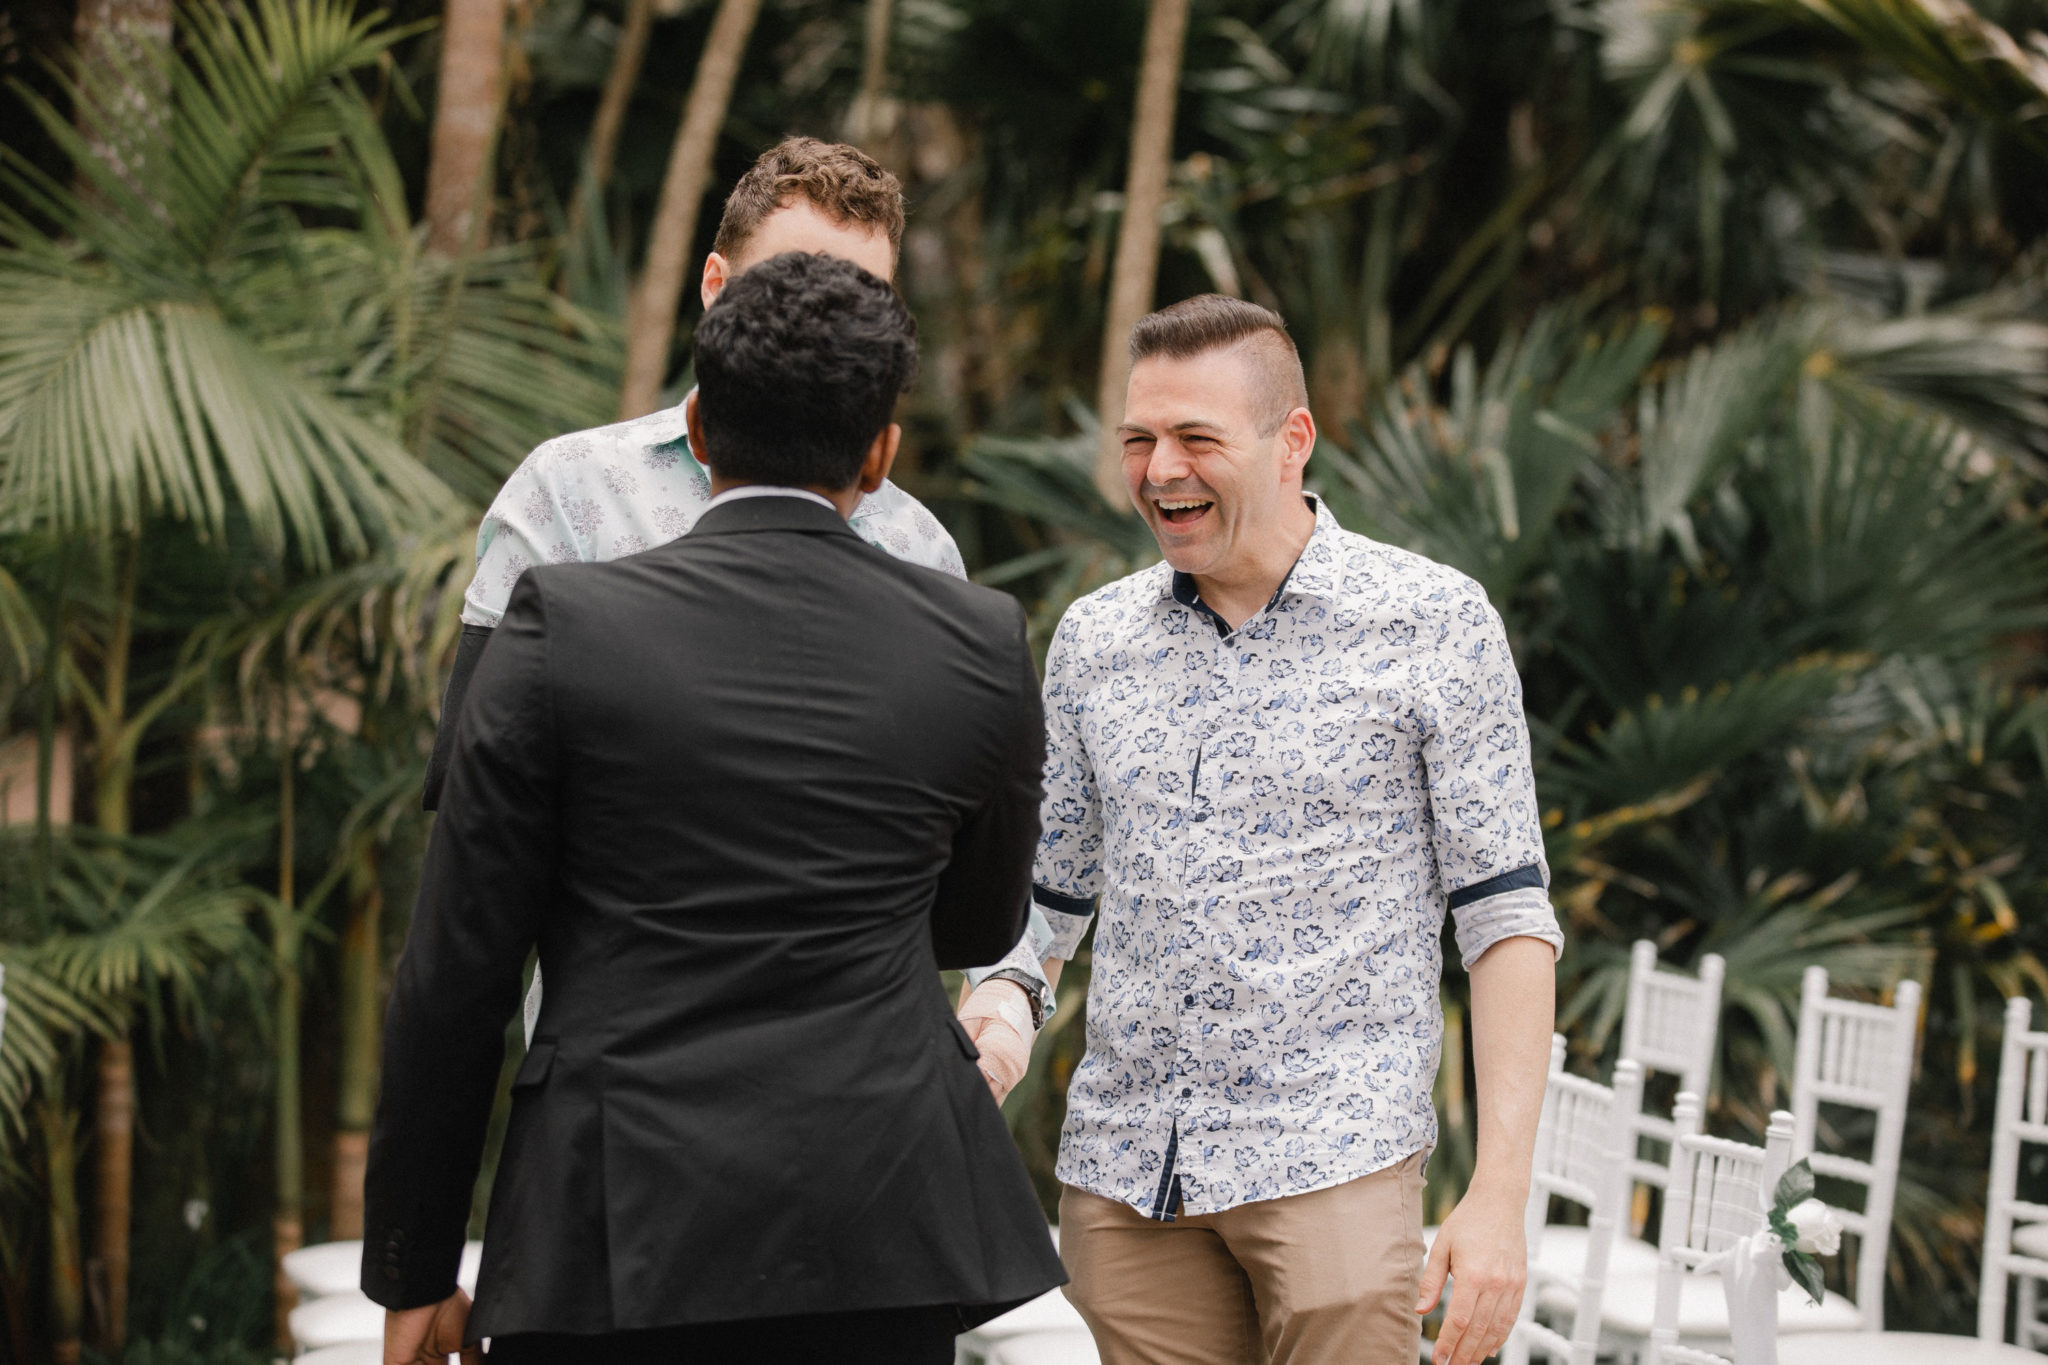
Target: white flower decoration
{"x":1819,"y":1230}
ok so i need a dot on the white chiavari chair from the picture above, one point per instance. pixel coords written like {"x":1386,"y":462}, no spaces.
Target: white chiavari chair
{"x":2015,"y":1230}
{"x":1857,"y":1056}
{"x":1671,"y":1025}
{"x":2010,"y":1222}
{"x":1582,"y":1140}
{"x":1717,"y":1194}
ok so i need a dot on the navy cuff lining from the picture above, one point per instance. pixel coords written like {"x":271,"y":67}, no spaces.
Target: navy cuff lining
{"x":1066,"y":905}
{"x":1517,"y":880}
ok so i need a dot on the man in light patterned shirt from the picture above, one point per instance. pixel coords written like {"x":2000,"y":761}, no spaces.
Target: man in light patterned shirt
{"x":617,"y":490}
{"x":1274,"y":762}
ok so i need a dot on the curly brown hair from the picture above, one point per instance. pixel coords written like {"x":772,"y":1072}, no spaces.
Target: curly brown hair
{"x":844,"y":182}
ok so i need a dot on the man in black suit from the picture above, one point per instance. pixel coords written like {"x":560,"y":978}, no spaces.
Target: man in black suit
{"x":746,"y":791}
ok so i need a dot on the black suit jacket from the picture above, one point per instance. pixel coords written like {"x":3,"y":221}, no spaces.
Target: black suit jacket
{"x":747,"y":792}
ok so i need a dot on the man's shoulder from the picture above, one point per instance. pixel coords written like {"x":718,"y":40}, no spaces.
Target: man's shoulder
{"x":619,"y":443}
{"x":1378,"y":569}
{"x":891,"y":519}
{"x":946,"y":591}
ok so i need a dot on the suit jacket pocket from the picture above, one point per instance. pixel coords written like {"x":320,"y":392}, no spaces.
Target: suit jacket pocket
{"x":534,"y":1070}
{"x":967,"y":1047}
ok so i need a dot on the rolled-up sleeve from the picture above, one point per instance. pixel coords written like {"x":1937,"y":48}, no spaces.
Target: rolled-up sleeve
{"x":1068,"y":875}
{"x":1488,"y":832}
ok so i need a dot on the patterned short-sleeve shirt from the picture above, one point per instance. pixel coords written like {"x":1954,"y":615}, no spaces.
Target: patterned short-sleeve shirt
{"x":1272,"y":823}
{"x":614,"y":491}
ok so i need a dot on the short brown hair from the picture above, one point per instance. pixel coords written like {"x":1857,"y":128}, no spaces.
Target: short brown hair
{"x":844,"y":182}
{"x":1215,"y":322}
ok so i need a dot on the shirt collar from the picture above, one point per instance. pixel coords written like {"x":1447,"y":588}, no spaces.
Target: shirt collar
{"x":770,"y":490}
{"x":1313,"y":574}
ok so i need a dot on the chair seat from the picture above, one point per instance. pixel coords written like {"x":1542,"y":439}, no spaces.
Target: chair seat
{"x":337,"y":1268}
{"x":336,"y":1320}
{"x":1630,"y":1304}
{"x":1898,"y":1348}
{"x":1563,"y":1252}
{"x":1049,"y":1312}
{"x":1046,"y":1348}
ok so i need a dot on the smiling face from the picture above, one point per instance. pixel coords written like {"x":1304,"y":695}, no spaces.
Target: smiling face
{"x":802,"y":226}
{"x":1213,"y":468}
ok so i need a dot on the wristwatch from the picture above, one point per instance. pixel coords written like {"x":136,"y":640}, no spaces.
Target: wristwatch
{"x":1034,"y":991}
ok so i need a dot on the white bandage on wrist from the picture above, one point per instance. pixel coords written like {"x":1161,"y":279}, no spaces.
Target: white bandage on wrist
{"x":1011,"y":1006}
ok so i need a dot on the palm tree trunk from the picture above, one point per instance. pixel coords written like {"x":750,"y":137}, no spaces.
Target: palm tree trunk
{"x":121,"y":47}
{"x":651,"y":313}
{"x":114,"y":1146}
{"x":67,"y":1279}
{"x":619,"y":85}
{"x":868,"y":118}
{"x":114,"y":759}
{"x":288,"y":1231}
{"x":361,"y":1036}
{"x":114,"y":1113}
{"x":1136,"y":270}
{"x":466,"y":104}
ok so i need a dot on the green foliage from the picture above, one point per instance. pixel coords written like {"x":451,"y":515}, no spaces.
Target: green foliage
{"x":1708,"y":336}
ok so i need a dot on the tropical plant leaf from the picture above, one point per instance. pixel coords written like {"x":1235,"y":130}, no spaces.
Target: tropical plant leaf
{"x":1478,"y":482}
{"x":1666,"y":744}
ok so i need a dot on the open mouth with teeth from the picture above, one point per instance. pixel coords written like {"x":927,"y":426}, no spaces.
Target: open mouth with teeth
{"x":1182,"y":511}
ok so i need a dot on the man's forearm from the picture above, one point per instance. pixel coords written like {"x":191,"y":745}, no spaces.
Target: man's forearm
{"x":1514,"y":1009}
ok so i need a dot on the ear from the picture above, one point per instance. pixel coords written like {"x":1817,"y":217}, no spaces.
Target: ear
{"x":693,"y":422}
{"x":1297,"y":443}
{"x":717,"y":271}
{"x":880,"y":458}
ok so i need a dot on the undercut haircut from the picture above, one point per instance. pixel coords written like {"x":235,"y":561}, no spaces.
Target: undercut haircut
{"x":1216,"y":322}
{"x":844,"y":183}
{"x":800,"y":362}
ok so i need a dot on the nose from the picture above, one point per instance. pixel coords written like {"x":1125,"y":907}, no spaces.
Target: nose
{"x":1168,"y":463}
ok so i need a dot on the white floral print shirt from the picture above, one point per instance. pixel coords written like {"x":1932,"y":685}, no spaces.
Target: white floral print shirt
{"x":1272,"y":823}
{"x":614,"y":491}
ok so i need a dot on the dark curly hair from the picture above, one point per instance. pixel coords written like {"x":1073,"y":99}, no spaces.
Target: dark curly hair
{"x":799,"y":366}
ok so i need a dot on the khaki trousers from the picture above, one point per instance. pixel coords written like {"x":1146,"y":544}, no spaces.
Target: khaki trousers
{"x":1327,"y":1278}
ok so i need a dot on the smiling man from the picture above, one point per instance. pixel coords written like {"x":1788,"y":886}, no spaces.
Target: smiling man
{"x":1274,"y":764}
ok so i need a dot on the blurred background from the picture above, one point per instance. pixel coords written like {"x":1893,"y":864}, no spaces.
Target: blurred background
{"x":1711,"y":336}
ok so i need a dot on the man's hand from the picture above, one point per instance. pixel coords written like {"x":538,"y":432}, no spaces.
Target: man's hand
{"x":428,"y":1335}
{"x":1481,"y":1247}
{"x":997,"y":1016}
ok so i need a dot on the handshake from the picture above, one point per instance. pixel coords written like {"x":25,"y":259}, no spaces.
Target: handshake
{"x":997,"y":1016}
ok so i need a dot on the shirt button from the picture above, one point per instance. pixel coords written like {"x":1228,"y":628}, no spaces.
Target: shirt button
{"x":1187,"y":1094}
{"x":1187,"y":1000}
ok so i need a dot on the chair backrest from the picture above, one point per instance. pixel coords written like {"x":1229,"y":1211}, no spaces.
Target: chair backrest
{"x":2020,"y":1117}
{"x":1585,"y":1133}
{"x":1717,"y":1192}
{"x":1672,"y":1023}
{"x":1860,"y":1056}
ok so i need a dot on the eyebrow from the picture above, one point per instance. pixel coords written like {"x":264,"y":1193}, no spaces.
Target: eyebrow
{"x":1194,"y":424}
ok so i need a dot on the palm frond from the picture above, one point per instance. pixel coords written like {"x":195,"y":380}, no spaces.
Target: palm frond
{"x":135,"y":381}
{"x":1951,"y":48}
{"x":1051,"y":479}
{"x":1478,"y":481}
{"x":1693,"y":426}
{"x":1882,"y":538}
{"x":1982,"y":361}
{"x":1666,"y":745}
